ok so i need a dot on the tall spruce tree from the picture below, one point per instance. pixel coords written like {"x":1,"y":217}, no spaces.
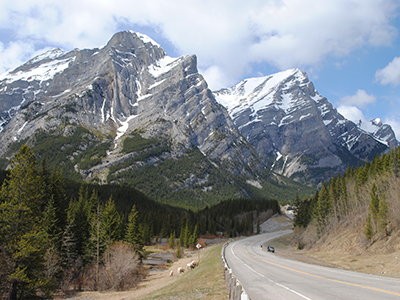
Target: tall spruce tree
{"x":133,"y":235}
{"x":22,"y":240}
{"x":79,"y":218}
{"x":383,"y":216}
{"x":110,"y":222}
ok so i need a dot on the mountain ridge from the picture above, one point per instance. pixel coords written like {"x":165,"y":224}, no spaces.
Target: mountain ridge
{"x":127,"y":113}
{"x":285,"y":118}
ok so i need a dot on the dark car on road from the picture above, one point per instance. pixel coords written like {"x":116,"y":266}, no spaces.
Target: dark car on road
{"x":271,"y":249}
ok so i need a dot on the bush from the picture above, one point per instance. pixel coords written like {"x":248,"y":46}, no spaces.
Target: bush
{"x":120,"y":269}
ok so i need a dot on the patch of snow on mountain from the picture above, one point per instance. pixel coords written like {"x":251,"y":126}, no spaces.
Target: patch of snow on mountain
{"x":286,"y":100}
{"x":305,"y":116}
{"x":43,"y":72}
{"x":23,"y":126}
{"x":50,"y":54}
{"x":372,"y":126}
{"x":253,"y":92}
{"x":156,"y":84}
{"x":124,"y":127}
{"x":164,"y":65}
{"x":146,"y":39}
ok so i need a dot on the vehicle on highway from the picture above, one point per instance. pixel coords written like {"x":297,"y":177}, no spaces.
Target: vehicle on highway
{"x":271,"y":249}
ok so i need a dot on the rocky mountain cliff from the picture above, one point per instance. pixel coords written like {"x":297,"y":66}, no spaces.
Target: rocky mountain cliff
{"x":296,"y":131}
{"x":127,"y":113}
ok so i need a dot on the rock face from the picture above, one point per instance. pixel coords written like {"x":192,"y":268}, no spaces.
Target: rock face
{"x":295,"y":130}
{"x":127,"y":113}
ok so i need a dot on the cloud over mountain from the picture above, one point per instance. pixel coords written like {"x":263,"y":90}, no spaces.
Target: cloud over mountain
{"x":229,"y":37}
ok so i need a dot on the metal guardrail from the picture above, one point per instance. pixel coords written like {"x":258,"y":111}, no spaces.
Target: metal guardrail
{"x":235,"y":288}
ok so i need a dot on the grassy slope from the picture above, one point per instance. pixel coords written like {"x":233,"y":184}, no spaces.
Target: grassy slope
{"x":207,"y":280}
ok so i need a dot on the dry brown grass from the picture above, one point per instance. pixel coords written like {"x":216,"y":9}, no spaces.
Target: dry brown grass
{"x":345,"y":248}
{"x":204,"y":281}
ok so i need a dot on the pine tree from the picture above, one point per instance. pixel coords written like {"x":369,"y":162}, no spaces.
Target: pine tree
{"x":374,"y":203}
{"x":132,"y":234}
{"x":171,"y":243}
{"x":57,"y":191}
{"x":79,"y":218}
{"x":382,"y":216}
{"x":110,"y":222}
{"x":322,"y":208}
{"x":95,"y":246}
{"x":22,"y":241}
{"x":194,"y":236}
{"x":368,"y":230}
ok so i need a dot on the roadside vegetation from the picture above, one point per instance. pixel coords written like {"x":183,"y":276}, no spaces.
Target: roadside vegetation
{"x":363,"y":203}
{"x":60,"y":236}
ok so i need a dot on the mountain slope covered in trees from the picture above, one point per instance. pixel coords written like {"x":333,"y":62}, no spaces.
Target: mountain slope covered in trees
{"x":56,"y":234}
{"x":364,"y":201}
{"x":128,"y":114}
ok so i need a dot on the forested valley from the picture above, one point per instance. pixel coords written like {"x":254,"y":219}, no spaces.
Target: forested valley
{"x":57,"y":234}
{"x":363,"y":201}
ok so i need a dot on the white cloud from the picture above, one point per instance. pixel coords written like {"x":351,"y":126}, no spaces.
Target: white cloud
{"x":360,"y":99}
{"x":352,"y":113}
{"x":229,"y":36}
{"x":389,"y":74}
{"x":14,"y":55}
{"x":394,"y":122}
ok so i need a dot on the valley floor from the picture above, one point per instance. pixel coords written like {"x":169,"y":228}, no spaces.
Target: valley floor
{"x":207,"y":280}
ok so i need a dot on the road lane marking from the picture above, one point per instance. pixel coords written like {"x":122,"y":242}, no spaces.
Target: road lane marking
{"x":262,"y":275}
{"x":325,"y":278}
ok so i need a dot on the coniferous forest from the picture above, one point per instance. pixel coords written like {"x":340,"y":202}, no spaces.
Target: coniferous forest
{"x":57,"y":234}
{"x":365,"y":199}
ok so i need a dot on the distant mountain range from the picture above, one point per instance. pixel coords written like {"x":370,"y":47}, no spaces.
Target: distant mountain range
{"x":297,"y":132}
{"x":129,"y":114}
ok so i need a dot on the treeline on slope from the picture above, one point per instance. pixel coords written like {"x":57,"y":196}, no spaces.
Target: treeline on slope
{"x":366,"y":197}
{"x":57,"y":234}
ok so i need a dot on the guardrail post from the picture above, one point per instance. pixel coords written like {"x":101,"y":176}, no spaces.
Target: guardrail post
{"x":235,"y":289}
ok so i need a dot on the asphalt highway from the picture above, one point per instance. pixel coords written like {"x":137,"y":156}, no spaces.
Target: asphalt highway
{"x":265,"y":275}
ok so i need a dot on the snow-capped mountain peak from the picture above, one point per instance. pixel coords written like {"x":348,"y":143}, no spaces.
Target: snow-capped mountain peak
{"x":40,"y":68}
{"x":259,"y":93}
{"x":283,"y":113}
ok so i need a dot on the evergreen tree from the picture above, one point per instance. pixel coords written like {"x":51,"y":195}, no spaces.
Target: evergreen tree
{"x":22,"y":241}
{"x":368,"y":230}
{"x":322,"y":208}
{"x":374,"y":203}
{"x":95,"y":247}
{"x":382,"y":216}
{"x":110,"y":222}
{"x":183,"y":237}
{"x":57,"y":192}
{"x":171,"y":243}
{"x":79,"y":218}
{"x":194,"y":236}
{"x":132,"y":234}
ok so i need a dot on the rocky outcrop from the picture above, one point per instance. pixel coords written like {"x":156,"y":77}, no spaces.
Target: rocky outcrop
{"x":129,"y":89}
{"x":296,"y":131}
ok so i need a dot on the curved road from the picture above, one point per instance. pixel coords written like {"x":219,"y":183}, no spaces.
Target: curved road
{"x":265,"y":275}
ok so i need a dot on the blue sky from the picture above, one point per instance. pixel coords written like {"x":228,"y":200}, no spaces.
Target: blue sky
{"x":350,"y":49}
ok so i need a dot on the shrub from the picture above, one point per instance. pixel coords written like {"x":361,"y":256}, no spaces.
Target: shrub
{"x":120,"y":269}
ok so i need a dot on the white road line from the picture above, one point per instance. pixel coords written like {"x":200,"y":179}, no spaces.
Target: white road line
{"x":262,"y":275}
